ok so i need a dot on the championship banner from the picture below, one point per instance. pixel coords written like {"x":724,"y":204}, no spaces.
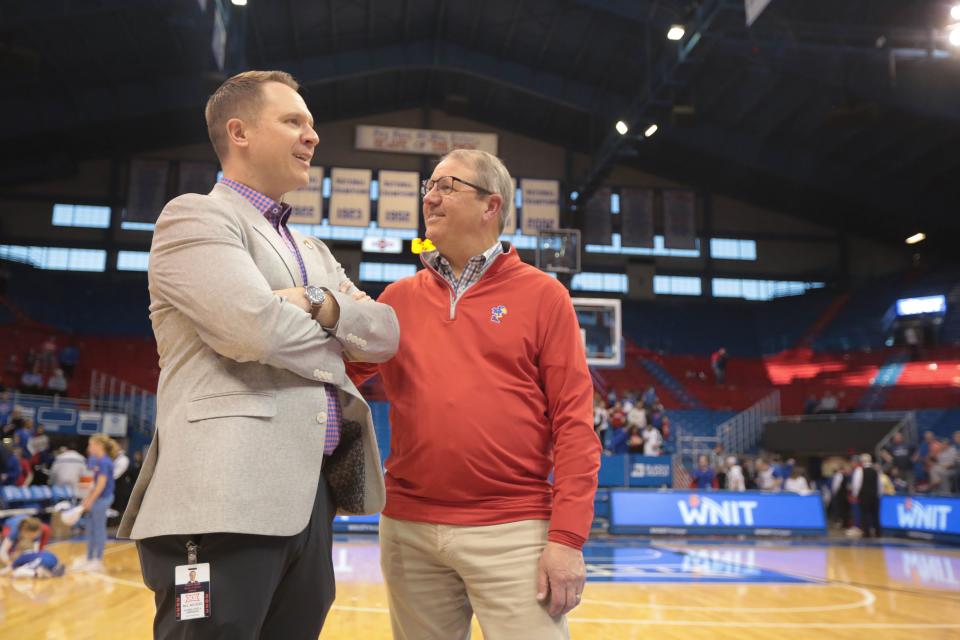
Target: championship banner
{"x":636,"y":218}
{"x":147,"y":192}
{"x":399,"y":203}
{"x":307,"y":202}
{"x":426,"y":141}
{"x":679,"y":220}
{"x":350,"y":197}
{"x":541,"y":205}
{"x":598,"y":221}
{"x":196,"y":177}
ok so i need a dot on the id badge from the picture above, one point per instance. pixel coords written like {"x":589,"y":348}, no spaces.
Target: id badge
{"x":192,"y":589}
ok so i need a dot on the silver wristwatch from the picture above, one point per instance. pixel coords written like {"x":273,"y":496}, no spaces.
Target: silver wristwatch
{"x":316,"y":296}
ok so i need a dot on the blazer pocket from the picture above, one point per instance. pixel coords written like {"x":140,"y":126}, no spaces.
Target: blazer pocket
{"x":232,"y":403}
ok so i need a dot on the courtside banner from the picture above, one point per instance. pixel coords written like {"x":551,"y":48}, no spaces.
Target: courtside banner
{"x":399,"y":203}
{"x":748,"y":512}
{"x":307,"y":202}
{"x":927,"y":518}
{"x":350,"y":197}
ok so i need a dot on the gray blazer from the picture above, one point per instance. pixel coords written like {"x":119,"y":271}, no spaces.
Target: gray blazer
{"x":241,"y":411}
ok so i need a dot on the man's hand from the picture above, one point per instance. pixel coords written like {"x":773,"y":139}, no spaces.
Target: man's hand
{"x":561,"y":575}
{"x":358,"y":295}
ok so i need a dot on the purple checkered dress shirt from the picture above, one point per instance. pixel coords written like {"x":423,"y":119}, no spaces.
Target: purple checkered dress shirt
{"x":277,"y":214}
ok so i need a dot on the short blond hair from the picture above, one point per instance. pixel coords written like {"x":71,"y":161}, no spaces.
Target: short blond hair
{"x":110,"y":446}
{"x":239,"y":97}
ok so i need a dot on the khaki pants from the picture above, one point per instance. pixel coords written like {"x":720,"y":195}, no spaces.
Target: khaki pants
{"x":438,"y":576}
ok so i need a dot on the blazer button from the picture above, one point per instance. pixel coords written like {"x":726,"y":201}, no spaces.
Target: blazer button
{"x":308,"y":244}
{"x":321,"y":417}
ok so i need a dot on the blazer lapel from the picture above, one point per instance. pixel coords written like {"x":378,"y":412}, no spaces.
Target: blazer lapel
{"x":263,"y":227}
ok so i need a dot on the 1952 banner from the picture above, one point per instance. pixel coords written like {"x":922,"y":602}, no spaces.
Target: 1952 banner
{"x":350,"y":197}
{"x":399,"y":204}
{"x":307,"y":202}
{"x":541,"y":205}
{"x":427,"y":141}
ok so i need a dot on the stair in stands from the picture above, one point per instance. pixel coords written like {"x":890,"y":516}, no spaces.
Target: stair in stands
{"x":886,"y":377}
{"x":667,"y":380}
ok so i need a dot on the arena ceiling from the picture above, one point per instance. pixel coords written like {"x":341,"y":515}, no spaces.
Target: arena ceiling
{"x":844,"y":112}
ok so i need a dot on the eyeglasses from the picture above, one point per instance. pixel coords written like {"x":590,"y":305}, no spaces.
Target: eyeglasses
{"x":444,"y":186}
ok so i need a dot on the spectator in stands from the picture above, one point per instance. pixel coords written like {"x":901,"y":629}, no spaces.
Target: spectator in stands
{"x":57,"y":383}
{"x":6,"y":408}
{"x":637,"y":417}
{"x":101,"y":449}
{"x":652,"y":441}
{"x":703,"y":474}
{"x":25,"y":479}
{"x":618,"y":418}
{"x":866,"y":488}
{"x":925,"y":456}
{"x":829,"y":403}
{"x":718,"y":362}
{"x":839,"y":508}
{"x":601,"y":416}
{"x":31,"y":382}
{"x":656,"y":415}
{"x":797,"y":482}
{"x":735,"y":478}
{"x":766,"y":481}
{"x":718,"y":463}
{"x":9,"y":466}
{"x":121,"y":464}
{"x":23,"y":431}
{"x":650,"y":398}
{"x":635,"y":441}
{"x":945,"y":466}
{"x":901,"y":456}
{"x":69,"y":356}
{"x":22,"y":534}
{"x":48,"y":353}
{"x":811,"y":405}
{"x":68,"y":466}
{"x":617,"y":442}
{"x":38,"y":446}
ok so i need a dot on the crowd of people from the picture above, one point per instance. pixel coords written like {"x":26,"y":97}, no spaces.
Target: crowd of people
{"x":635,"y":423}
{"x":42,"y":370}
{"x":102,"y":479}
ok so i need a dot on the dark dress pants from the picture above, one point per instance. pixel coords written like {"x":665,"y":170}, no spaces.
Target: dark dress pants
{"x":261,"y":587}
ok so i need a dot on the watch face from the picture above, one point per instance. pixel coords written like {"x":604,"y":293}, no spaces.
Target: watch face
{"x":315,"y":295}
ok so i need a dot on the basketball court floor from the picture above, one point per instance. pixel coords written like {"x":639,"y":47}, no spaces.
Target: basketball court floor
{"x":638,"y":588}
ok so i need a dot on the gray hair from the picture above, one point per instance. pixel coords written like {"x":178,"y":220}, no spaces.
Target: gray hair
{"x":491,"y":174}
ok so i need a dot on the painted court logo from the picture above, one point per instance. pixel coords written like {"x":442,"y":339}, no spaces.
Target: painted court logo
{"x":913,"y":514}
{"x":701,"y":511}
{"x":497,"y":313}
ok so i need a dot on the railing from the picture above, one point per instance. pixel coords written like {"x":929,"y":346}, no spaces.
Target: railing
{"x":109,"y":393}
{"x":742,"y":432}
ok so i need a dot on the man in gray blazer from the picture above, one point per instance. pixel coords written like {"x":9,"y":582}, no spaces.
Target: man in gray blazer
{"x":253,"y":322}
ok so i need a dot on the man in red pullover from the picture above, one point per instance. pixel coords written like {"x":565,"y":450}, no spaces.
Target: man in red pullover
{"x":489,"y":394}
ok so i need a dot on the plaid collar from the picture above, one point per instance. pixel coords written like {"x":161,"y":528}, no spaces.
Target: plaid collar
{"x":276,"y":212}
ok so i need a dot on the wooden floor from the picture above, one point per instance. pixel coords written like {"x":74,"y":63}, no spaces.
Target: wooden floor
{"x":638,"y":589}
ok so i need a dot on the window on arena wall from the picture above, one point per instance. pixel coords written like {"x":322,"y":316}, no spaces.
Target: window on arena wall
{"x":677,"y":285}
{"x":603,"y":282}
{"x":385,"y":271}
{"x":133,"y":260}
{"x":733,"y":249}
{"x":760,"y":289}
{"x":79,"y":215}
{"x":56,"y":258}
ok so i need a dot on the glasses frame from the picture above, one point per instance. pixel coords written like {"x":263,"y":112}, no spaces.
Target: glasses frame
{"x":424,"y":189}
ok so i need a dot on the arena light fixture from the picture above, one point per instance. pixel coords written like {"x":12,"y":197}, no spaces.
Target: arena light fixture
{"x":240,"y":3}
{"x":954,"y":36}
{"x":917,"y":237}
{"x":652,"y":129}
{"x":622,"y":127}
{"x":676,"y":32}
{"x":955,"y":12}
